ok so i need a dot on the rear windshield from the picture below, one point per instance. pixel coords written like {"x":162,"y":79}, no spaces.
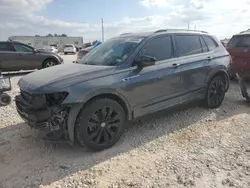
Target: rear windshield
{"x":239,"y":41}
{"x":66,"y":46}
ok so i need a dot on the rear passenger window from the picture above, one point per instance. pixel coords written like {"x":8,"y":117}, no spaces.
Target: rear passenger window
{"x":4,"y":46}
{"x":210,"y":43}
{"x":188,"y":45}
{"x":159,"y":48}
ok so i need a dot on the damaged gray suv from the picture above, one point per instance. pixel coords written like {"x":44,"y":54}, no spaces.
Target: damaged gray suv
{"x":126,"y":77}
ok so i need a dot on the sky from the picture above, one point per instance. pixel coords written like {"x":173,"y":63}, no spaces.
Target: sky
{"x":222,"y":18}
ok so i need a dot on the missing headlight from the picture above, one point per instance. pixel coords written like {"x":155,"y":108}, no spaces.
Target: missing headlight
{"x":56,"y":98}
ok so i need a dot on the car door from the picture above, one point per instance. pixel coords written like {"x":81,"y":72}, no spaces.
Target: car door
{"x":8,"y":57}
{"x":28,"y":58}
{"x":239,"y":49}
{"x":194,"y":60}
{"x":154,"y":87}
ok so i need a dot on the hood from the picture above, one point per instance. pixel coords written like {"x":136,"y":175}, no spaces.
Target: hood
{"x":55,"y":79}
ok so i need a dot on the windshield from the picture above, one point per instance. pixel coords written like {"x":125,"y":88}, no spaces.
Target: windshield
{"x":113,"y":52}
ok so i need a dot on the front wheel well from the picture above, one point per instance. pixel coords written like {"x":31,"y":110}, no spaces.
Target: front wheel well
{"x":112,"y":97}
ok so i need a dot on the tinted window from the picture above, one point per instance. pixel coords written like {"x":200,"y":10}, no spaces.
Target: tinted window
{"x":188,"y":44}
{"x":210,"y":43}
{"x":239,"y":41}
{"x":203,"y":44}
{"x":22,"y":48}
{"x":4,"y":46}
{"x":67,"y":46}
{"x":159,"y":48}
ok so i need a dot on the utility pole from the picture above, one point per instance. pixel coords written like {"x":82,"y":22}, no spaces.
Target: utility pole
{"x":102,"y":31}
{"x":188,"y":25}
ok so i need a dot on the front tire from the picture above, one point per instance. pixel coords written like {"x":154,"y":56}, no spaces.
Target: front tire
{"x":100,"y":124}
{"x":49,"y":63}
{"x":215,"y":92}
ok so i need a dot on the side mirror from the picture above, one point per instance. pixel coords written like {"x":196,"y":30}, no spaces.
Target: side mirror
{"x":146,"y":61}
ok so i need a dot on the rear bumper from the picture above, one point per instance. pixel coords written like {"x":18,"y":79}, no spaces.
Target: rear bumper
{"x":243,"y":87}
{"x":244,"y":73}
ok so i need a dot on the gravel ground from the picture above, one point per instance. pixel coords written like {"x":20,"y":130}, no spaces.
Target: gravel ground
{"x":188,"y":147}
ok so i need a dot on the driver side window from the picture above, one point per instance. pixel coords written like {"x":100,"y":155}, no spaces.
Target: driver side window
{"x":160,"y":48}
{"x":22,"y":48}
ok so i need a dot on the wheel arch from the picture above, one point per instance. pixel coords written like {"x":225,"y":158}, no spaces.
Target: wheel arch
{"x":76,"y":108}
{"x":49,"y":58}
{"x":222,"y":73}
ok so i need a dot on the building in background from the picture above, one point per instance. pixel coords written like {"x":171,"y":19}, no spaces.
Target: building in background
{"x":42,"y":41}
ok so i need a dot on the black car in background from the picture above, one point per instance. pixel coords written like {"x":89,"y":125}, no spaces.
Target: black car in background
{"x":126,"y":77}
{"x":15,"y":56}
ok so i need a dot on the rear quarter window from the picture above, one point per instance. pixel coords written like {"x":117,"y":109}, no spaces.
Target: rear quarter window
{"x":211,"y":44}
{"x":68,"y":46}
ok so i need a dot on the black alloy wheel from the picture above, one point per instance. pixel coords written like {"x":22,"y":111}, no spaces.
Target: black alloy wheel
{"x":100,"y":124}
{"x":215,"y":92}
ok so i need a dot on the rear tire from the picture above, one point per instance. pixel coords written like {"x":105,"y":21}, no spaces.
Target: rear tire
{"x":5,"y":99}
{"x":215,"y":92}
{"x":100,"y":124}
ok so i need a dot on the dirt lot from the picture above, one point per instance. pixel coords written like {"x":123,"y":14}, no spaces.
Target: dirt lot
{"x":189,"y":147}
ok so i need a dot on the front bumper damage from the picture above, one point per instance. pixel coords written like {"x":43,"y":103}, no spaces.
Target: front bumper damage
{"x":38,"y":114}
{"x":243,"y":87}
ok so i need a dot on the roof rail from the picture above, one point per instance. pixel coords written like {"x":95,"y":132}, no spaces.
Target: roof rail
{"x":125,"y":33}
{"x":165,"y":30}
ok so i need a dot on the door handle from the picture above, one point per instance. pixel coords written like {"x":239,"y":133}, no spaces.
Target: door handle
{"x":176,"y":65}
{"x":129,"y":78}
{"x":209,"y":58}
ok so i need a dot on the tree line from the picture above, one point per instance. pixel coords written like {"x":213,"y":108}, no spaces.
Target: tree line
{"x":55,"y":35}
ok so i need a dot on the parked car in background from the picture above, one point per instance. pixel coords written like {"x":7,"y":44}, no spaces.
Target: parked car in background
{"x":239,"y":49}
{"x":55,"y":46}
{"x":15,"y":56}
{"x":126,"y":77}
{"x":50,"y":49}
{"x":84,"y":51}
{"x":69,"y":48}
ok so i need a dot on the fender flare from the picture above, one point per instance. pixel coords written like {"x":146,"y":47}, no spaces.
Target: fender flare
{"x":75,"y":109}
